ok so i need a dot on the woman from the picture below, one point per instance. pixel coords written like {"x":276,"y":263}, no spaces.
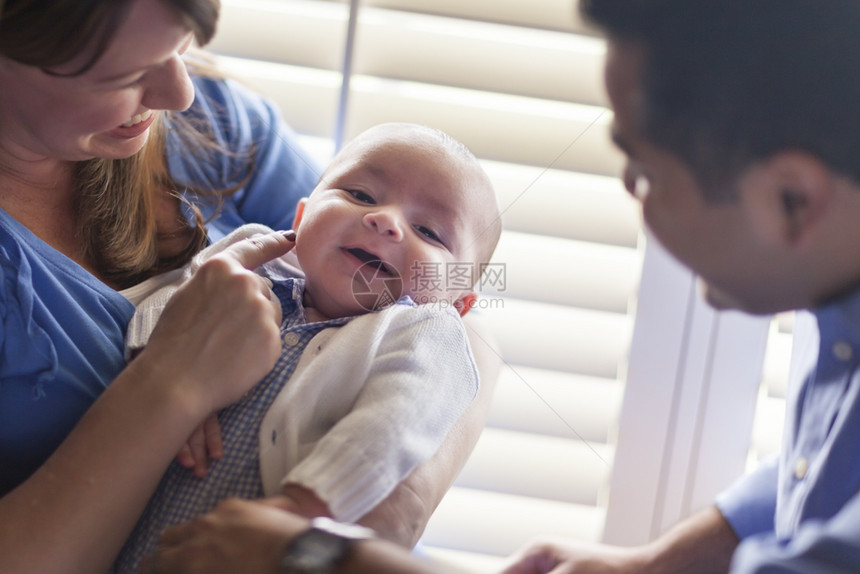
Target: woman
{"x":103,"y":183}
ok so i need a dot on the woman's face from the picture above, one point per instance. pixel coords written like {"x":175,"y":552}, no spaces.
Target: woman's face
{"x":106,"y":111}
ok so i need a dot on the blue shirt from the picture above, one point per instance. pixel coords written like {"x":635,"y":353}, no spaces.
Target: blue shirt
{"x":62,"y":330}
{"x":802,"y":514}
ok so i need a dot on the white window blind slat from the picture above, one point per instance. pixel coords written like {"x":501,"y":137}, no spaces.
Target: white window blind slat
{"x":561,"y":203}
{"x":538,"y":401}
{"x":305,"y":33}
{"x":506,"y":461}
{"x":493,"y":523}
{"x":543,"y":14}
{"x":559,"y":338}
{"x":307,"y":97}
{"x":467,"y":53}
{"x":587,"y":275}
{"x":500,"y":127}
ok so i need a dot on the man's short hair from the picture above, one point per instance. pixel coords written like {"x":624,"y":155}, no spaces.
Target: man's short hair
{"x":728,"y":83}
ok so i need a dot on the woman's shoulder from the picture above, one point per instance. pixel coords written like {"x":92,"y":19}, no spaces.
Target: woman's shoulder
{"x":53,"y":312}
{"x":19,"y":248}
{"x":30,"y":268}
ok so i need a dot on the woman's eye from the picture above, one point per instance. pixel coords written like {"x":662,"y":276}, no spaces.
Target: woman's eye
{"x":428,"y":233}
{"x":361,"y":196}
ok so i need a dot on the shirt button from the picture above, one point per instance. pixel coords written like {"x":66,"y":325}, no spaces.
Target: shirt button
{"x":801,"y":467}
{"x":274,"y":436}
{"x":842,"y":351}
{"x":291,"y":339}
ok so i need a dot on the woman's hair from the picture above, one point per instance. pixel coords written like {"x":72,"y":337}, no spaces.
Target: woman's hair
{"x":728,"y":83}
{"x":117,"y":198}
{"x":48,"y":33}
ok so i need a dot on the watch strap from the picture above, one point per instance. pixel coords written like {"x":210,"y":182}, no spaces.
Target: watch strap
{"x":323,"y":547}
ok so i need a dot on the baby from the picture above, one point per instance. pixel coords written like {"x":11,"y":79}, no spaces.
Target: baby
{"x":376,"y":366}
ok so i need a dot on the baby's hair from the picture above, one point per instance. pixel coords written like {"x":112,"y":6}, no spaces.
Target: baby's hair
{"x":488,"y":238}
{"x":442,"y":137}
{"x":449,"y":142}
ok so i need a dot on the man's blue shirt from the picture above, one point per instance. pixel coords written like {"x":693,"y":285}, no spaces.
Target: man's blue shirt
{"x":803,"y":515}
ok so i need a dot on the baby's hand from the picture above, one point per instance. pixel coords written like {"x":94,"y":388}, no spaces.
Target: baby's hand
{"x":204,"y":445}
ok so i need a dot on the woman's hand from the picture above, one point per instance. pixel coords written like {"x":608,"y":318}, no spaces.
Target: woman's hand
{"x":237,"y":537}
{"x":219,"y":333}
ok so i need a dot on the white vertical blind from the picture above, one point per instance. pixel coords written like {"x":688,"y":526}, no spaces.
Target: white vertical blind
{"x":520,"y":84}
{"x":770,"y":408}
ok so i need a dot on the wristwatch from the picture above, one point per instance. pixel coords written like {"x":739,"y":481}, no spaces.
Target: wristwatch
{"x":323,"y":547}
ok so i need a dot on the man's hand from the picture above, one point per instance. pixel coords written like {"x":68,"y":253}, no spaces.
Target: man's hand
{"x":557,"y":556}
{"x":701,"y":544}
{"x":237,"y":537}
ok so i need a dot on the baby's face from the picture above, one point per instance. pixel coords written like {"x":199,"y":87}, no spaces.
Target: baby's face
{"x":394,"y":215}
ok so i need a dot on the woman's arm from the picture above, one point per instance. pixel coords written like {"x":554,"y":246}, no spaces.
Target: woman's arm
{"x":215,"y":340}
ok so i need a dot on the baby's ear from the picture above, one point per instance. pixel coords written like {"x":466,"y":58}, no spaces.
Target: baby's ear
{"x":300,"y":211}
{"x":465,"y":303}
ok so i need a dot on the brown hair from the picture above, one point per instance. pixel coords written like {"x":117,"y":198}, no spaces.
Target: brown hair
{"x":117,"y":223}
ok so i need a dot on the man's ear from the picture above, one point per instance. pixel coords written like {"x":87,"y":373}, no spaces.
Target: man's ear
{"x":465,"y":303}
{"x":300,"y":211}
{"x":801,"y":190}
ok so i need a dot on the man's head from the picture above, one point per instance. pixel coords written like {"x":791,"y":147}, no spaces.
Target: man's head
{"x":739,"y":120}
{"x":396,"y":211}
{"x":728,"y":83}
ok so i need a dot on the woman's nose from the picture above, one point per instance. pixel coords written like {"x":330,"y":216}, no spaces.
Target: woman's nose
{"x":169,"y":87}
{"x":385,"y":223}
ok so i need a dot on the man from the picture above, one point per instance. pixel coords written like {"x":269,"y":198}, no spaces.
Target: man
{"x":741,"y":123}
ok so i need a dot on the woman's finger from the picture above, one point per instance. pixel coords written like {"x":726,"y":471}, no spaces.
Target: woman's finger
{"x":254,"y":251}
